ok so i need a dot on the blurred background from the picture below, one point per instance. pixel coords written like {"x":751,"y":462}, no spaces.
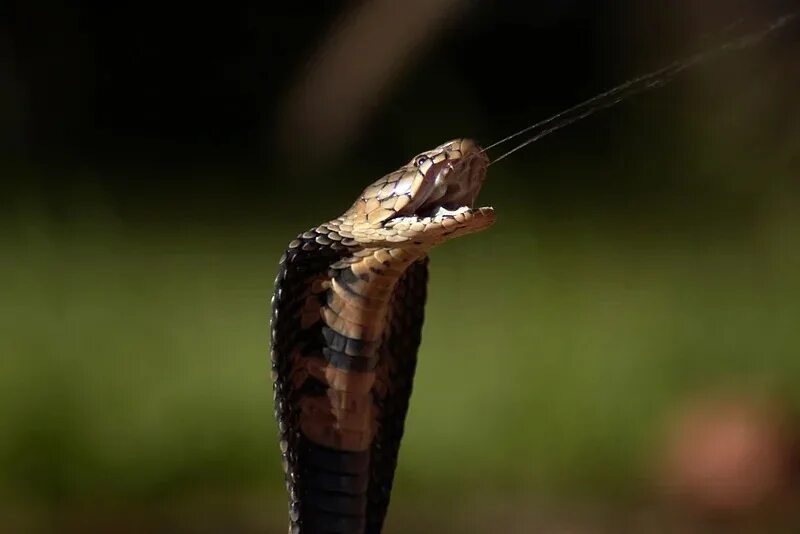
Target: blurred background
{"x":619,"y":353}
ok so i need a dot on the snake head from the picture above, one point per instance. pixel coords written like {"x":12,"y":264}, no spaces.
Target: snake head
{"x":426,"y":201}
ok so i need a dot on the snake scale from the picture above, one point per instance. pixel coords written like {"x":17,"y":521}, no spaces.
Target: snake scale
{"x":347,"y":314}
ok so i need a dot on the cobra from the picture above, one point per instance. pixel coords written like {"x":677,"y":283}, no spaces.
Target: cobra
{"x":347,"y":314}
{"x":348,"y":309}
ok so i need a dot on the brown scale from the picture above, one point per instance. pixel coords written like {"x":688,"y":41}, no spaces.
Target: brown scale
{"x":345,"y":419}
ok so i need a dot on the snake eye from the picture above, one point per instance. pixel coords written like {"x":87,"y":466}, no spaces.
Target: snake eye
{"x":421,"y":160}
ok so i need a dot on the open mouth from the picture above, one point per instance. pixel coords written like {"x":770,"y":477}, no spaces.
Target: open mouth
{"x":449,"y":187}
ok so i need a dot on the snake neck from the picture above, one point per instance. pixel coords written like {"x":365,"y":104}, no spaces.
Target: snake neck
{"x":355,"y":318}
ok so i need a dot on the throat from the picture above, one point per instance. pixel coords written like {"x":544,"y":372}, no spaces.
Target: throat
{"x":361,"y":290}
{"x":355,"y":316}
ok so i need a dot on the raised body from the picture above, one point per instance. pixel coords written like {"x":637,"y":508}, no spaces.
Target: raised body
{"x":346,"y":322}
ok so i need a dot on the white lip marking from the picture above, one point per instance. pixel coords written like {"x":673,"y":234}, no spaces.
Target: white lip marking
{"x":443,"y":212}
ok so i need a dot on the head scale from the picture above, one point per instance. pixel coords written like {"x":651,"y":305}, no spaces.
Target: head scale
{"x":427,"y":199}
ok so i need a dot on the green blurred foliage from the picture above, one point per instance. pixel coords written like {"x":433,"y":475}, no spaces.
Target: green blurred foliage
{"x":135,"y":358}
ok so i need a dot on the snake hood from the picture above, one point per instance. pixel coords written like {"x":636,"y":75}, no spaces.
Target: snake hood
{"x":426,"y":201}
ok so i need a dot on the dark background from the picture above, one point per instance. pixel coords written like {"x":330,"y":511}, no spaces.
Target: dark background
{"x":154,"y":164}
{"x":158,"y":87}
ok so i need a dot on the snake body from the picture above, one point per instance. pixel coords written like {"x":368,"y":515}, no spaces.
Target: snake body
{"x":347,"y":314}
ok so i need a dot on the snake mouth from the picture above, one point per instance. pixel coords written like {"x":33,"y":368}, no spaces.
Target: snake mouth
{"x":427,"y":201}
{"x":449,"y":186}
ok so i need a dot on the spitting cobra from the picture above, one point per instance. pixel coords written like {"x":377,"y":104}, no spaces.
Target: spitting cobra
{"x":348,"y":307}
{"x":347,"y":313}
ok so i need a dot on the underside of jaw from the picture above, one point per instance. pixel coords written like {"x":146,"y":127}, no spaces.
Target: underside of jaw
{"x":443,"y":218}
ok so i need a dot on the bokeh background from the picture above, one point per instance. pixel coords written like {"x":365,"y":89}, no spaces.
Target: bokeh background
{"x":619,"y":353}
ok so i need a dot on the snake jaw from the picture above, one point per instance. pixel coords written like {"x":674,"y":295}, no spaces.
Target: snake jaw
{"x":445,"y":210}
{"x":451,"y":178}
{"x":414,"y":231}
{"x":425,"y":202}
